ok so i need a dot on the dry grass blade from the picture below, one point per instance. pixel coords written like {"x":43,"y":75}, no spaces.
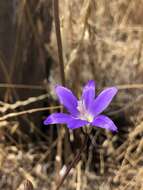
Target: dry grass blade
{"x":20,"y":103}
{"x":15,"y":114}
{"x":26,"y":185}
{"x":89,"y":39}
{"x":22,"y":86}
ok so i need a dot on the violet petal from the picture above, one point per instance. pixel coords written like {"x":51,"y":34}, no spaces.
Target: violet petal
{"x":56,"y":118}
{"x":105,"y":122}
{"x":67,"y":98}
{"x":88,"y":94}
{"x":77,"y":123}
{"x":103,"y":100}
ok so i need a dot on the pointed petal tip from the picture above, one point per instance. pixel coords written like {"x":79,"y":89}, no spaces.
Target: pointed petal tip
{"x":88,"y":94}
{"x":67,"y":98}
{"x":114,"y":129}
{"x":115,"y":89}
{"x":105,"y":122}
{"x":103,"y":100}
{"x":90,"y":84}
{"x":58,"y":86}
{"x":57,"y":118}
{"x":47,"y":121}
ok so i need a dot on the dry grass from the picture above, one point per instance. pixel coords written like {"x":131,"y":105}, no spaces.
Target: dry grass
{"x":102,"y":40}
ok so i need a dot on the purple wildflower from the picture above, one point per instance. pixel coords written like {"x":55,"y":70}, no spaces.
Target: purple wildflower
{"x":86,"y":111}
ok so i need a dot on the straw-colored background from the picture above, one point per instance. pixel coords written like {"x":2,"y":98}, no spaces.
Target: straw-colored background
{"x":102,"y":40}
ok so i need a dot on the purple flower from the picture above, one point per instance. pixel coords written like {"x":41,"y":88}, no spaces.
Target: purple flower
{"x":86,"y":111}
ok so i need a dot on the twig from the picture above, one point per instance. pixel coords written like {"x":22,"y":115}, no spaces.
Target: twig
{"x":59,"y":41}
{"x":116,"y":112}
{"x":62,"y":73}
{"x":26,"y":185}
{"x":19,"y":103}
{"x":10,"y":115}
{"x":130,"y":86}
{"x":39,"y":87}
{"x":78,"y":186}
{"x":74,"y":162}
{"x":23,"y":86}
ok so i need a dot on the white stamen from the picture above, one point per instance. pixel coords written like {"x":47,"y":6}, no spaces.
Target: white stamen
{"x":83,"y":112}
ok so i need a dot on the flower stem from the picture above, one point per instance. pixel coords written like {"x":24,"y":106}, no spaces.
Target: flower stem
{"x":73,"y":163}
{"x":59,"y":40}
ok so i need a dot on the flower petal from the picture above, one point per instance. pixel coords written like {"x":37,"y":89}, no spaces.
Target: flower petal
{"x":105,"y":122}
{"x":77,"y":123}
{"x":56,"y":118}
{"x":88,"y":94}
{"x":103,"y":100}
{"x":61,"y":118}
{"x":67,"y":98}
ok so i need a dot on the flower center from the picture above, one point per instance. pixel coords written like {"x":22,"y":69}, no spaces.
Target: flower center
{"x":84,"y":115}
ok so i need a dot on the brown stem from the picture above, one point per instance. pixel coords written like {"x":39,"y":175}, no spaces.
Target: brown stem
{"x":73,"y":163}
{"x":59,"y":40}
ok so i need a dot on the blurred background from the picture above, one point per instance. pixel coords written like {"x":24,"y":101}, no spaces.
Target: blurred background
{"x":101,"y":40}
